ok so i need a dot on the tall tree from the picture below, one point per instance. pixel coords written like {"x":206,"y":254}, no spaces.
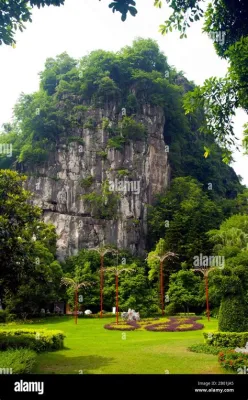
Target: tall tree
{"x":182,"y":216}
{"x":226,"y":22}
{"x":29,"y":274}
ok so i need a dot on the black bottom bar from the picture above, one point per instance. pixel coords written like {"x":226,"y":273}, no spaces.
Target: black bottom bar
{"x":115,"y":386}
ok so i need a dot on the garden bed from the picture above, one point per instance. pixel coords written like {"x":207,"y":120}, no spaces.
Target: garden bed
{"x":130,"y":325}
{"x":176,"y":324}
{"x":172,"y":324}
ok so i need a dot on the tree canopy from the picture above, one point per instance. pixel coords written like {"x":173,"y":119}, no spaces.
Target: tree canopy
{"x":29,"y":274}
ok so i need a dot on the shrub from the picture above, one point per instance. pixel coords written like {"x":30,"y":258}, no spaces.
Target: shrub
{"x":103,"y":154}
{"x":77,"y":139}
{"x":186,"y":314}
{"x":5,"y":316}
{"x":116,"y":142}
{"x":133,"y":130}
{"x":232,"y":315}
{"x":132,"y":103}
{"x":87,"y":182}
{"x":226,"y":339}
{"x":105,"y":123}
{"x":123,"y":172}
{"x":35,"y":339}
{"x":21,"y":361}
{"x":215,"y":312}
{"x":206,"y":349}
{"x":98,"y":315}
{"x":90,"y":124}
{"x":231,"y":360}
{"x":170,"y":309}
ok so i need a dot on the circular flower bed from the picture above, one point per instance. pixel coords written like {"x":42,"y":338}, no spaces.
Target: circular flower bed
{"x":130,"y":325}
{"x":172,"y":324}
{"x":123,"y":326}
{"x":175,"y":324}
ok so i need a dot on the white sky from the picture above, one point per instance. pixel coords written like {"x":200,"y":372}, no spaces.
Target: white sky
{"x":81,"y":26}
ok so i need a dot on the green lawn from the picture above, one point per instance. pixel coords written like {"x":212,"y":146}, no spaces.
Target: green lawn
{"x":91,"y":349}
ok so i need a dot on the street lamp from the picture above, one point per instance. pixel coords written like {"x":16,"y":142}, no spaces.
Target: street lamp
{"x":205,"y":271}
{"x":161,"y":259}
{"x":102,"y":251}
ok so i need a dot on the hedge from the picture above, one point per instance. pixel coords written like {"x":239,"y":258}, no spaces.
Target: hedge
{"x":5,"y":316}
{"x":206,"y":349}
{"x":17,"y":361}
{"x":226,"y":339}
{"x":232,"y":315}
{"x":36,"y":339}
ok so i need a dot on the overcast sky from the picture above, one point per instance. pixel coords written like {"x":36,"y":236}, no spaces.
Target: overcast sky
{"x":81,"y":26}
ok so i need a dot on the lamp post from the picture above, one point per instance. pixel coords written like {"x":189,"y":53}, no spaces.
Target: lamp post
{"x":70,"y":282}
{"x":205,"y":271}
{"x":102,"y":251}
{"x":161,"y":259}
{"x":117,"y":271}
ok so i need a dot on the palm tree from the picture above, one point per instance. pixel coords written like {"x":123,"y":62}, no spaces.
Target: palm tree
{"x":117,"y":271}
{"x":229,"y":237}
{"x":102,"y":250}
{"x":76,"y":286}
{"x":161,"y":259}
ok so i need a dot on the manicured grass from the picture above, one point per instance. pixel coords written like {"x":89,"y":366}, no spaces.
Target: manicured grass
{"x":91,"y":349}
{"x":21,"y":361}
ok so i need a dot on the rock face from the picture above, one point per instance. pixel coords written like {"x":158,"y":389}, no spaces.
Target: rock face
{"x":87,"y":166}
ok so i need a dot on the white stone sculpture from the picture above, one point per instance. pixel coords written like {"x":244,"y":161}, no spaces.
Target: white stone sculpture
{"x":242,"y":349}
{"x":131,"y":315}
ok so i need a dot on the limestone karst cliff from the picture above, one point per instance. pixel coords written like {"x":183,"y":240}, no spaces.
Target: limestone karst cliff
{"x":102,"y":124}
{"x":58,"y":185}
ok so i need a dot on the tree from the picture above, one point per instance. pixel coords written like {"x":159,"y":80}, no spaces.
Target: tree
{"x":183,"y":216}
{"x":184,"y":290}
{"x":231,"y":242}
{"x":231,"y":282}
{"x":29,"y":274}
{"x":137,"y":293}
{"x":14,"y":13}
{"x":226,"y":22}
